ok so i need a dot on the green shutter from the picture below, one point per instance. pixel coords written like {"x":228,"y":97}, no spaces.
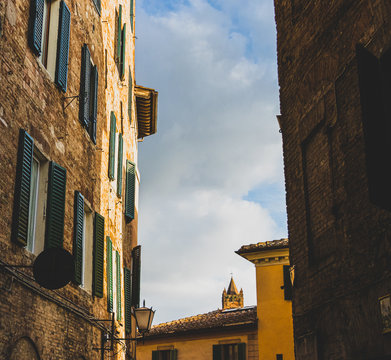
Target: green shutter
{"x":119,"y":292}
{"x":173,"y":354}
{"x":93,"y":103}
{"x":54,"y":236}
{"x":98,"y":5}
{"x":130,"y":189}
{"x":131,"y":15}
{"x":287,"y":283}
{"x":22,"y":189}
{"x":119,"y":33}
{"x":128,"y":294}
{"x":64,"y":24}
{"x":120,"y":161}
{"x":85,"y":86}
{"x":242,"y":351}
{"x":78,"y":237}
{"x":130,"y":95}
{"x":217,"y":352}
{"x":99,"y":245}
{"x":123,"y":53}
{"x":112,"y":145}
{"x":36,"y":21}
{"x":109,"y":269}
{"x":155,"y":355}
{"x":136,"y":269}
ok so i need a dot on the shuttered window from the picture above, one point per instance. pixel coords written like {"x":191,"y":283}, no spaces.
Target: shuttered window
{"x":64,"y":24}
{"x":136,"y":268}
{"x":119,"y":34}
{"x":109,"y":270}
{"x":374,"y":91}
{"x":128,"y":299}
{"x":287,"y":283}
{"x":123,"y":53}
{"x":118,"y":285}
{"x":35,"y":35}
{"x":130,"y":189}
{"x":78,"y":237}
{"x":98,"y":5}
{"x":22,"y":189}
{"x":112,"y":146}
{"x":54,"y":236}
{"x":120,"y":161}
{"x":85,"y":84}
{"x":165,"y":354}
{"x":99,"y":233}
{"x":93,"y":103}
{"x":229,"y":352}
{"x":131,"y":15}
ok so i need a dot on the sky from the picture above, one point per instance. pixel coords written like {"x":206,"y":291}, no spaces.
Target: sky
{"x":212,"y":176}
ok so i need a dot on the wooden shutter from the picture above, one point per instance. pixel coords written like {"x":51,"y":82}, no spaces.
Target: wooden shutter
{"x":123,"y":53}
{"x":130,"y":95}
{"x":78,"y":237}
{"x":93,"y":103}
{"x":120,"y":161}
{"x":287,"y":283}
{"x":22,"y":189}
{"x":112,"y":145}
{"x":64,"y":24}
{"x":155,"y":355}
{"x":54,"y":236}
{"x":85,"y":86}
{"x":173,"y":354}
{"x":130,"y":189}
{"x":119,"y":33}
{"x":136,"y":268}
{"x":376,"y":129}
{"x":128,"y":300}
{"x":98,"y":5}
{"x":99,"y":237}
{"x":36,"y":25}
{"x":217,"y":352}
{"x":109,"y":270}
{"x":242,"y":351}
{"x":131,"y":15}
{"x":118,"y":278}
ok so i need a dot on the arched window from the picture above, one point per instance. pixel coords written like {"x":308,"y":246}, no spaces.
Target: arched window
{"x":24,"y":349}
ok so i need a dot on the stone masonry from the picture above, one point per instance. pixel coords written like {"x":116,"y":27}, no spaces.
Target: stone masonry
{"x":340,"y":240}
{"x":36,"y":323}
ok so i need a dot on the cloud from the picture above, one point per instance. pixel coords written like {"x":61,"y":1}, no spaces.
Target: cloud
{"x":217,"y":144}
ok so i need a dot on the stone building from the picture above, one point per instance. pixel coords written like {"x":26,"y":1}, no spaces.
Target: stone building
{"x":334,"y":74}
{"x":71,"y":116}
{"x":274,"y":295}
{"x":229,"y":333}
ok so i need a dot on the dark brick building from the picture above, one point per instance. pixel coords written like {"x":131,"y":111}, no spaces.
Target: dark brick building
{"x":70,"y":119}
{"x":334,"y":75}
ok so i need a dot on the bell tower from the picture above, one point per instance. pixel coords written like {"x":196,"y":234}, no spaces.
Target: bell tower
{"x":231,"y":298}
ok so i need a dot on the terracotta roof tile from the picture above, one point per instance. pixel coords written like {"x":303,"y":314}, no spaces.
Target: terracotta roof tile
{"x":211,"y":320}
{"x":263,"y":246}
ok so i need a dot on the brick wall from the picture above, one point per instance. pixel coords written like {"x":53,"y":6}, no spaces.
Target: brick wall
{"x":30,"y":100}
{"x":339,"y":241}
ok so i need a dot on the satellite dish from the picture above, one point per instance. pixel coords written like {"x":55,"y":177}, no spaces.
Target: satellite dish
{"x":53,"y":268}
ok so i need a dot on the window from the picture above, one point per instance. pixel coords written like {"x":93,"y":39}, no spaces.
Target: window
{"x":375,"y":92}
{"x":99,"y":245}
{"x":83,"y":243}
{"x":279,"y":357}
{"x":109,"y":271}
{"x":88,"y":97}
{"x":112,"y":145}
{"x":38,"y":213}
{"x":130,"y":195}
{"x":49,"y":37}
{"x":121,"y":42}
{"x":229,"y":352}
{"x":165,"y":354}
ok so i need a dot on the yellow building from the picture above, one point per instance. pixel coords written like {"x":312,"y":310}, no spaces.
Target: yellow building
{"x":226,"y":334}
{"x":274,"y":294}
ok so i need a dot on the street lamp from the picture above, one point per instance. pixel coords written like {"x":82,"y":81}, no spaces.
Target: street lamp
{"x":144,"y":317}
